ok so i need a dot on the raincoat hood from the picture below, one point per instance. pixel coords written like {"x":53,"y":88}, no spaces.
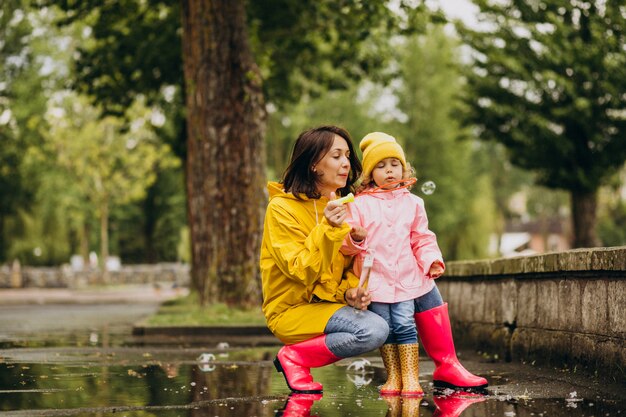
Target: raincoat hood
{"x":275,"y":189}
{"x":313,"y":206}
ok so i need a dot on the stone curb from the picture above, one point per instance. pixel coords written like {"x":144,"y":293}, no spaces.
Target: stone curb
{"x":195,"y":331}
{"x":588,"y":260}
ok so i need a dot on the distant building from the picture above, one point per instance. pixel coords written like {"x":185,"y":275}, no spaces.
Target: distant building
{"x":532,"y":237}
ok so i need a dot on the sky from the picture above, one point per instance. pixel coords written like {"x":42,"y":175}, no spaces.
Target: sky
{"x":458,"y":9}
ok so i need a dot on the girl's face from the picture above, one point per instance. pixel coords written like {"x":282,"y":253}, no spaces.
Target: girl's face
{"x":386,"y":171}
{"x":334,"y":167}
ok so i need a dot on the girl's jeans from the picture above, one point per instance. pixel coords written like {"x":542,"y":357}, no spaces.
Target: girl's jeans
{"x":351,"y":332}
{"x":399,"y":316}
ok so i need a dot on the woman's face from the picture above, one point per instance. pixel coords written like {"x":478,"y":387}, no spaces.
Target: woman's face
{"x":389,"y":170}
{"x":334,"y":167}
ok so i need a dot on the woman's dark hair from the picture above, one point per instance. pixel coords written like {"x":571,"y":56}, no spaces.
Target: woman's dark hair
{"x":310,"y":147}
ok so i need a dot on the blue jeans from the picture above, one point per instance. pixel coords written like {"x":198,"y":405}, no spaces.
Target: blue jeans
{"x":350,"y":332}
{"x":429,"y":300}
{"x":399,"y":316}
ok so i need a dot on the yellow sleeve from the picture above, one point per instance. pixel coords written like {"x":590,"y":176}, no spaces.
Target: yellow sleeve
{"x":333,"y":286}
{"x":349,"y":281}
{"x":302,"y":255}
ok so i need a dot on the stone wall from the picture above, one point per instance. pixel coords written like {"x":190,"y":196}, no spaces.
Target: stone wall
{"x":564,"y":309}
{"x":65,"y":277}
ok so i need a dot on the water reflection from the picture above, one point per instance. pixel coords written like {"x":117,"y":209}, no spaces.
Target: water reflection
{"x":454,"y":404}
{"x":298,"y":405}
{"x":138,"y":381}
{"x":402,"y":407}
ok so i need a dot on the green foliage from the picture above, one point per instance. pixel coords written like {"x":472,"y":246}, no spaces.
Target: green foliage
{"x":346,"y":108}
{"x":183,"y":249}
{"x":108,"y":162}
{"x":44,"y":238}
{"x":149,"y":230}
{"x":134,"y":49}
{"x":460,"y":211}
{"x":547,"y":81}
{"x":306,"y":47}
{"x":612,"y":212}
{"x":612,"y":225}
{"x":20,"y":120}
{"x":299,"y":45}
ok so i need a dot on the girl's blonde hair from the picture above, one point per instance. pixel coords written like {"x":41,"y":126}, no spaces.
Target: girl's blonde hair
{"x":366,"y":181}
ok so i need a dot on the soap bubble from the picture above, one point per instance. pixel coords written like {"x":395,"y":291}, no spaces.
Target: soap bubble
{"x":206,"y":357}
{"x":359,"y":380}
{"x":359,"y":365}
{"x":429,"y":187}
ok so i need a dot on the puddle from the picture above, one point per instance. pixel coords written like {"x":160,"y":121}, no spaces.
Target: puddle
{"x":96,"y":367}
{"x":238,"y":381}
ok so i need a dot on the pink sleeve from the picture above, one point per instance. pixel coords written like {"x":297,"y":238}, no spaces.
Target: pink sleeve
{"x":349,"y":247}
{"x":424,"y":241}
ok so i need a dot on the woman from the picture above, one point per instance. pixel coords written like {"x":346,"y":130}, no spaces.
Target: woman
{"x":307,"y":301}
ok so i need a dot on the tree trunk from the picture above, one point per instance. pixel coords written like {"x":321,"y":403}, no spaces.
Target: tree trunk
{"x":84,"y":242}
{"x":225,"y":153}
{"x":104,"y":237}
{"x":584,"y":219}
{"x":3,"y":245}
{"x":150,"y":219}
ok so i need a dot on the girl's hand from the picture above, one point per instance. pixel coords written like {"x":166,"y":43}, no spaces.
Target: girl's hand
{"x":335,"y":213}
{"x":436,"y":270}
{"x":358,"y":233}
{"x":358,"y":298}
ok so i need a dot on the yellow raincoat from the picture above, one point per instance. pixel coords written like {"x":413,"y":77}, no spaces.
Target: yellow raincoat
{"x":300,"y":259}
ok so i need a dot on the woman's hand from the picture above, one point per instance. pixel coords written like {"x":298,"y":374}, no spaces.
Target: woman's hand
{"x":335,"y":213}
{"x":358,"y":298}
{"x":436,"y":270}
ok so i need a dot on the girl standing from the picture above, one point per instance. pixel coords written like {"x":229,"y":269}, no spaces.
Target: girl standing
{"x":406,"y":260}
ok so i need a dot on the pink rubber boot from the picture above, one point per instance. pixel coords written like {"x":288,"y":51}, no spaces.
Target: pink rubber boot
{"x":435,"y":333}
{"x":295,"y":362}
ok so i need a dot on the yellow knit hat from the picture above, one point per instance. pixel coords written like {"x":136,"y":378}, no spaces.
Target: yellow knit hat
{"x":377,"y":146}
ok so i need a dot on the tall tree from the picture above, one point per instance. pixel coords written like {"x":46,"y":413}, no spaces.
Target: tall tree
{"x":108,"y":162}
{"x":548,"y":81}
{"x":298,"y":45}
{"x":20,"y":120}
{"x":225,"y":163}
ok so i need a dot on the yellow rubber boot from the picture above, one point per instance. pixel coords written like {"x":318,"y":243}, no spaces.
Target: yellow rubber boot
{"x":409,"y":363}
{"x":411,"y":406}
{"x":391,"y":359}
{"x":394,"y":405}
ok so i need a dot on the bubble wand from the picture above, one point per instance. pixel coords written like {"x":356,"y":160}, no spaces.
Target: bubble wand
{"x":347,"y":199}
{"x":368,"y":262}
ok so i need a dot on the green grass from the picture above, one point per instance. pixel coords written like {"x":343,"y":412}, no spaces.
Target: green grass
{"x":186,"y":311}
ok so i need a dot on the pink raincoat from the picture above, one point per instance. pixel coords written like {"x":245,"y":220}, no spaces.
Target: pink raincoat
{"x":403,"y":246}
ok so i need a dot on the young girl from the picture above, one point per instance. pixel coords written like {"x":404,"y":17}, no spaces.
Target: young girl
{"x":390,"y":224}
